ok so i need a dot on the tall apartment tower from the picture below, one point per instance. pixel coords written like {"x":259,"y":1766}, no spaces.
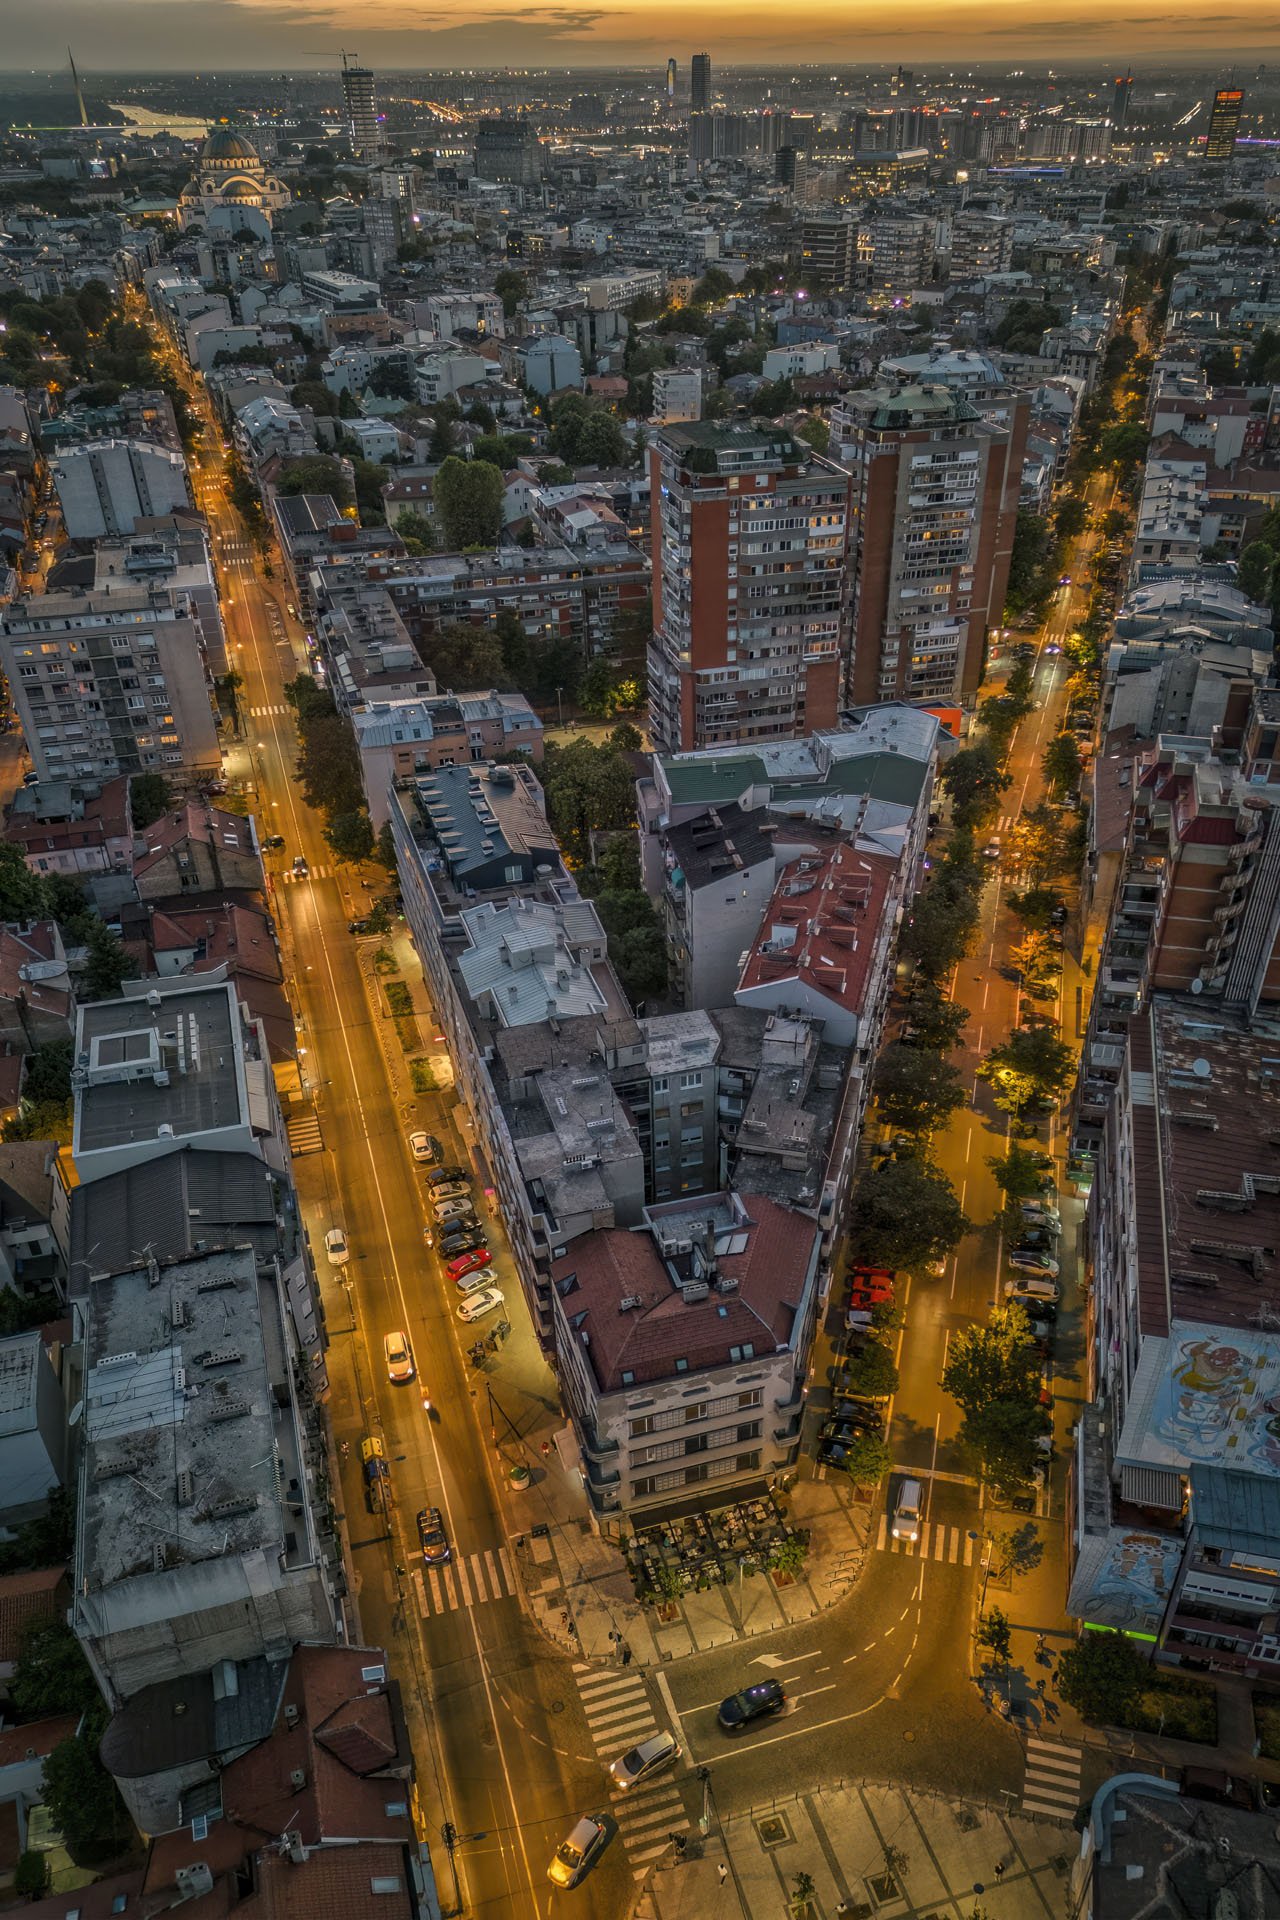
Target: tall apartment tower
{"x":672,"y":70}
{"x":750,"y":533}
{"x":1123,"y":96}
{"x":700,"y":83}
{"x":934,"y":499}
{"x":362,"y":110}
{"x":1224,"y":124}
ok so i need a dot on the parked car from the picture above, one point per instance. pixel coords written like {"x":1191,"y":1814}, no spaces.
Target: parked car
{"x":358,"y":926}
{"x":451,"y":1190}
{"x":906,"y":1511}
{"x":453,"y":1208}
{"x":473,"y":1281}
{"x":274,"y":842}
{"x":399,"y":1357}
{"x":465,"y":1264}
{"x":476,"y":1305}
{"x":441,"y":1176}
{"x":753,"y":1703}
{"x":432,"y":1537}
{"x":1028,"y":1287}
{"x":1038,"y":1213}
{"x":853,"y":1416}
{"x":577,"y":1850}
{"x":452,"y":1244}
{"x":377,"y":1474}
{"x":335,"y":1245}
{"x":652,"y":1756}
{"x":424,"y":1147}
{"x":1028,"y":1259}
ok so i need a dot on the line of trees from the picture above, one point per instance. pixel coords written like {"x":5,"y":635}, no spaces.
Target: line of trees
{"x":328,"y":769}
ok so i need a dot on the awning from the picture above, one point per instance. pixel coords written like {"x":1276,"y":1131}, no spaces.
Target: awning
{"x":1151,"y":1487}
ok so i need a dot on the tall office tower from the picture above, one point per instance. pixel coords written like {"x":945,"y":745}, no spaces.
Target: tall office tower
{"x":1224,"y":124}
{"x":700,"y":83}
{"x":1123,"y":96}
{"x":750,"y":533}
{"x":934,"y":502}
{"x":671,"y":81}
{"x":791,"y":170}
{"x":362,"y":110}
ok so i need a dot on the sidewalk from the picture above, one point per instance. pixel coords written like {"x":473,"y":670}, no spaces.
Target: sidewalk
{"x":868,"y":1848}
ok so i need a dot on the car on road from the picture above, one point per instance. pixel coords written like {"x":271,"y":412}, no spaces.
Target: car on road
{"x":335,"y":1245}
{"x":992,"y":849}
{"x":399,"y":1357}
{"x":753,"y":1703}
{"x":476,"y":1305}
{"x":441,"y":1176}
{"x":465,"y":1264}
{"x":432,"y":1537}
{"x":652,"y":1756}
{"x":1029,"y":1259}
{"x":424,"y":1147}
{"x":359,"y":926}
{"x":453,"y":1207}
{"x":452,"y":1244}
{"x":577,"y":1850}
{"x":906,"y":1511}
{"x":274,"y":842}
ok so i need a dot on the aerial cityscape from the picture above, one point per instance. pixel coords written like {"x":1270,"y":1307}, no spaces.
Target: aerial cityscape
{"x":640,"y":964}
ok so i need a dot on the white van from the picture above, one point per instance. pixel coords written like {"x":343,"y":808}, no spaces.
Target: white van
{"x":906,"y":1511}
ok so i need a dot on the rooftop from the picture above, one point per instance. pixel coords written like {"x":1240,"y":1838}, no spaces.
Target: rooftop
{"x":523,"y":962}
{"x":20,"y":1355}
{"x":179,"y":1432}
{"x":714,"y":1280}
{"x":158,"y":1066}
{"x":820,"y":928}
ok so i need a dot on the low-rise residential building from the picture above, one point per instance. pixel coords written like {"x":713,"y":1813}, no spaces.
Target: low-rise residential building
{"x":196,"y":1536}
{"x":196,"y":848}
{"x":73,"y":826}
{"x":366,"y":648}
{"x":717,"y":875}
{"x":106,"y":487}
{"x":682,"y":1351}
{"x":33,"y":1428}
{"x":400,"y":738}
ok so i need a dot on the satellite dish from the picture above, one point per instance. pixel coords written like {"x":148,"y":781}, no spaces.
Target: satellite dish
{"x":1197,"y":985}
{"x":1201,"y":1069}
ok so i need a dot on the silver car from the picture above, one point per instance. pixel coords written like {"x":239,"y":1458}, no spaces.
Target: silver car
{"x":654,"y":1755}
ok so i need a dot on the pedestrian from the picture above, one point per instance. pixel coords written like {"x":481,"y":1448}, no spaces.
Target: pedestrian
{"x":626,"y":1656}
{"x":999,"y":1869}
{"x":722,"y":1872}
{"x":1039,"y":1646}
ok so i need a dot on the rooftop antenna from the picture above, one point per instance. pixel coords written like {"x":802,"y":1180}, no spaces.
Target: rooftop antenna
{"x":79,"y":90}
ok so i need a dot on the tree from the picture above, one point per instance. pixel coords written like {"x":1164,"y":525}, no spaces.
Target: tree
{"x":392,"y":380}
{"x":1039,"y":844}
{"x":934,"y":1020}
{"x":350,"y":835}
{"x":317,"y":473}
{"x":31,"y":1876}
{"x":941,"y":926}
{"x":713,"y":289}
{"x":465,"y":658}
{"x":867,"y":1459}
{"x":416,"y":530}
{"x":1004,"y":1435}
{"x":369,"y":478}
{"x":1035,"y":955}
{"x":108,"y":964}
{"x":975,"y":780}
{"x":150,"y":795}
{"x":49,"y":1538}
{"x":816,"y":431}
{"x":1016,"y":1174}
{"x":51,"y":1675}
{"x":904,"y":1215}
{"x":82,"y":1799}
{"x":1032,"y":1063}
{"x":1101,"y":1676}
{"x":916,"y":1089}
{"x":1029,"y":584}
{"x":468,"y":498}
{"x":1036,"y":907}
{"x":1256,"y":570}
{"x":995,"y":1362}
{"x":511,"y":288}
{"x":22,"y":893}
{"x":1071,"y":517}
{"x":588,"y":788}
{"x":995,"y":1633}
{"x":1123,"y":447}
{"x":640,"y":961}
{"x":871,"y":1371}
{"x":329,"y":765}
{"x":384,"y":847}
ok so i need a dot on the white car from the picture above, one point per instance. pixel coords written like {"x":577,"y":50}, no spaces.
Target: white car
{"x":1028,"y":1262}
{"x":992,"y":849}
{"x":420,"y":1147}
{"x":399,"y":1357}
{"x":335,"y":1245}
{"x":476,"y":1305}
{"x":654,"y":1755}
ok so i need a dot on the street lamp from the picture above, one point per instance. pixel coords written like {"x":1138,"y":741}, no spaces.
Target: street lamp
{"x":560,"y":705}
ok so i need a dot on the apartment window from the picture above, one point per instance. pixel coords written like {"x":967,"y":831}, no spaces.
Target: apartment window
{"x":686,"y":1080}
{"x":661,"y":1086}
{"x":628,"y":1378}
{"x":682,"y":1366}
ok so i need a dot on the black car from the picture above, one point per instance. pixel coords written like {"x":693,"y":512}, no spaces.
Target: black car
{"x":753,"y":1703}
{"x":465,"y":1242}
{"x":358,"y":926}
{"x":274,"y":841}
{"x":856,"y":1415}
{"x":445,"y":1176}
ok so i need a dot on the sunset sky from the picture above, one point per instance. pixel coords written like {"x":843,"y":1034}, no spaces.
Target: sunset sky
{"x":148,"y":34}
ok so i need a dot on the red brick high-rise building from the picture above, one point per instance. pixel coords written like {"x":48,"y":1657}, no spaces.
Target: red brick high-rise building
{"x":750,"y":534}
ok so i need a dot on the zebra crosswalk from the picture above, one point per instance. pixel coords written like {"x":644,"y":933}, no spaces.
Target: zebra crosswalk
{"x":304,"y":1134}
{"x":1052,"y":1783}
{"x":260,"y":713}
{"x":618,"y":1713}
{"x":952,"y":1545}
{"x":468,"y":1580}
{"x":312,"y":873}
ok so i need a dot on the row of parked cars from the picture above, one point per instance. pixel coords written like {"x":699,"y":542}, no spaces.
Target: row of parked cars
{"x":456,"y":1231}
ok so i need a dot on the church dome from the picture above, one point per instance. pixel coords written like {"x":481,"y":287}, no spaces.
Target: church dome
{"x":225,"y":144}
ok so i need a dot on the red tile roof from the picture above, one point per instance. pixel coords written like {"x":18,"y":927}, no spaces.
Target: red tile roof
{"x":25,"y":1597}
{"x":93,"y":1902}
{"x":37,"y":1736}
{"x":645,"y":1341}
{"x":820,"y":925}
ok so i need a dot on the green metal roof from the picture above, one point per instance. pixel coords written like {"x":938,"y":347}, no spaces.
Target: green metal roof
{"x":712,"y":781}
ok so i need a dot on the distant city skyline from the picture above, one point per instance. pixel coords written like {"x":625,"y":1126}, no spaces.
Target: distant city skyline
{"x":182,"y":35}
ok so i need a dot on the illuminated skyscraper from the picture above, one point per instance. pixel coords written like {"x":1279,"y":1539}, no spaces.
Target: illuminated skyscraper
{"x":1120,"y":104}
{"x":700,"y":83}
{"x":362,"y":110}
{"x":671,"y":80}
{"x":1224,"y":124}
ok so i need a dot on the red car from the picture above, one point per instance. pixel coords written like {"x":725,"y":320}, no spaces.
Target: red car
{"x":465,"y":1263}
